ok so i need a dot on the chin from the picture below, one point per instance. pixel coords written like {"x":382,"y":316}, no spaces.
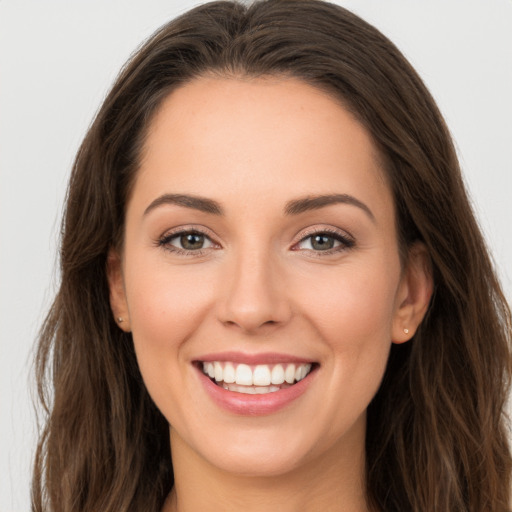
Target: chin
{"x":260,"y":462}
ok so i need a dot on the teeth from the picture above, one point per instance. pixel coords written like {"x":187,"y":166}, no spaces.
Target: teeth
{"x":218,"y":372}
{"x":302,"y":371}
{"x":277,"y":376}
{"x":243,"y":375}
{"x":229,"y":373}
{"x":261,"y":390}
{"x":261,"y":376}
{"x":289,"y":374}
{"x":251,"y":390}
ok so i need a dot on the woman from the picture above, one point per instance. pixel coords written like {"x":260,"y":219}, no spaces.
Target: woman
{"x":271,"y":274}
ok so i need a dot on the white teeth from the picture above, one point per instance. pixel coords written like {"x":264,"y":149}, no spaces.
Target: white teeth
{"x":261,"y":390}
{"x":229,"y":373}
{"x":277,"y":376}
{"x":259,"y":376}
{"x":302,"y":371}
{"x":218,"y":372}
{"x":243,"y":375}
{"x":289,"y":374}
{"x":251,"y":390}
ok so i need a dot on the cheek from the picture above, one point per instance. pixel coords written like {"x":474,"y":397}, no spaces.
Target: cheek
{"x":353,"y":313}
{"x":353,"y":316}
{"x":166,"y":306}
{"x":355,"y":304}
{"x":164,"y":301}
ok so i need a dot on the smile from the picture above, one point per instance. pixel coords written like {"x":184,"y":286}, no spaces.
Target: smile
{"x":255,"y":379}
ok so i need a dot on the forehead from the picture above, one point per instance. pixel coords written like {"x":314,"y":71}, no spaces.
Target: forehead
{"x":271,"y":137}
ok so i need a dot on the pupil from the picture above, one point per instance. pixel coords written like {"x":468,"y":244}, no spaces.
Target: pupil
{"x":192,"y":241}
{"x":322,"y":242}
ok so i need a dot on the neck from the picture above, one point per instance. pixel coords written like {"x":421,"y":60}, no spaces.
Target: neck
{"x":334,"y":482}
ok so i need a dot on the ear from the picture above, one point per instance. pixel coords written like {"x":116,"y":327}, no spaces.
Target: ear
{"x":414,"y":294}
{"x":115,"y":280}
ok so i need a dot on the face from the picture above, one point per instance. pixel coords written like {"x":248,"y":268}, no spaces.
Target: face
{"x":261,"y":249}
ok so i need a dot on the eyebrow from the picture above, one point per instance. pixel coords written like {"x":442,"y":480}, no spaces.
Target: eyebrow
{"x":188,"y":201}
{"x":297,"y":206}
{"x":294,"y":207}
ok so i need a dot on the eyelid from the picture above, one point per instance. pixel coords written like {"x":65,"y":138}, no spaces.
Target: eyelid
{"x":319,"y":228}
{"x":187,"y":228}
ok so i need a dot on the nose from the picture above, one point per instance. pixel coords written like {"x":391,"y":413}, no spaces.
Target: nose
{"x":254,"y":297}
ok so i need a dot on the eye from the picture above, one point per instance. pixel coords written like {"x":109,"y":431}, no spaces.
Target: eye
{"x":324,"y":241}
{"x":319,"y":242}
{"x":186,"y":241}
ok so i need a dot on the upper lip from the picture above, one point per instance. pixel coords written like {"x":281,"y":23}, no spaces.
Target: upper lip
{"x":253,"y":359}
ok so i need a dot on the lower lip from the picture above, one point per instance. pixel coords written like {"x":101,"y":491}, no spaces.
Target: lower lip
{"x":255,"y":405}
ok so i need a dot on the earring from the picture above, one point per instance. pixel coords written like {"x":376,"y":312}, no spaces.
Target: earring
{"x":406,"y":331}
{"x":120,"y":319}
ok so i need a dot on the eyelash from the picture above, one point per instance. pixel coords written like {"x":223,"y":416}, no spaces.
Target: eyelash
{"x":165,"y":242}
{"x":345,"y":242}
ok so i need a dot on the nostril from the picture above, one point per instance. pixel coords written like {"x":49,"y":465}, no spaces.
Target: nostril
{"x":251,"y":325}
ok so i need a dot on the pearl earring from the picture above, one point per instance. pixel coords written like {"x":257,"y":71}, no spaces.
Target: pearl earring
{"x":120,"y":319}
{"x":406,"y":331}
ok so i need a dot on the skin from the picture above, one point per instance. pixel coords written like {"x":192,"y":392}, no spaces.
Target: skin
{"x":254,"y":145}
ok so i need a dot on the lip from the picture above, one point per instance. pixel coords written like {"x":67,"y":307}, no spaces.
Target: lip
{"x":255,"y":405}
{"x":253,"y":359}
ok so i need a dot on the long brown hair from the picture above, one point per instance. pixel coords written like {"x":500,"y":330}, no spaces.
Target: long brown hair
{"x":437,"y":435}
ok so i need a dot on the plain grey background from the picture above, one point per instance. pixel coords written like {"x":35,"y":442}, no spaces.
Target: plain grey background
{"x":57,"y":60}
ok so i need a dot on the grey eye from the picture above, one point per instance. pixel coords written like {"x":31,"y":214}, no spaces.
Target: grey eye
{"x":192,"y":241}
{"x":319,"y":242}
{"x":322,"y":242}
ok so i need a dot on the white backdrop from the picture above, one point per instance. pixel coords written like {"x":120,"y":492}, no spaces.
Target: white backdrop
{"x":57,"y":60}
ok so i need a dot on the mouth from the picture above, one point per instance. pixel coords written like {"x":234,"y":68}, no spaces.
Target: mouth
{"x":257,"y":379}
